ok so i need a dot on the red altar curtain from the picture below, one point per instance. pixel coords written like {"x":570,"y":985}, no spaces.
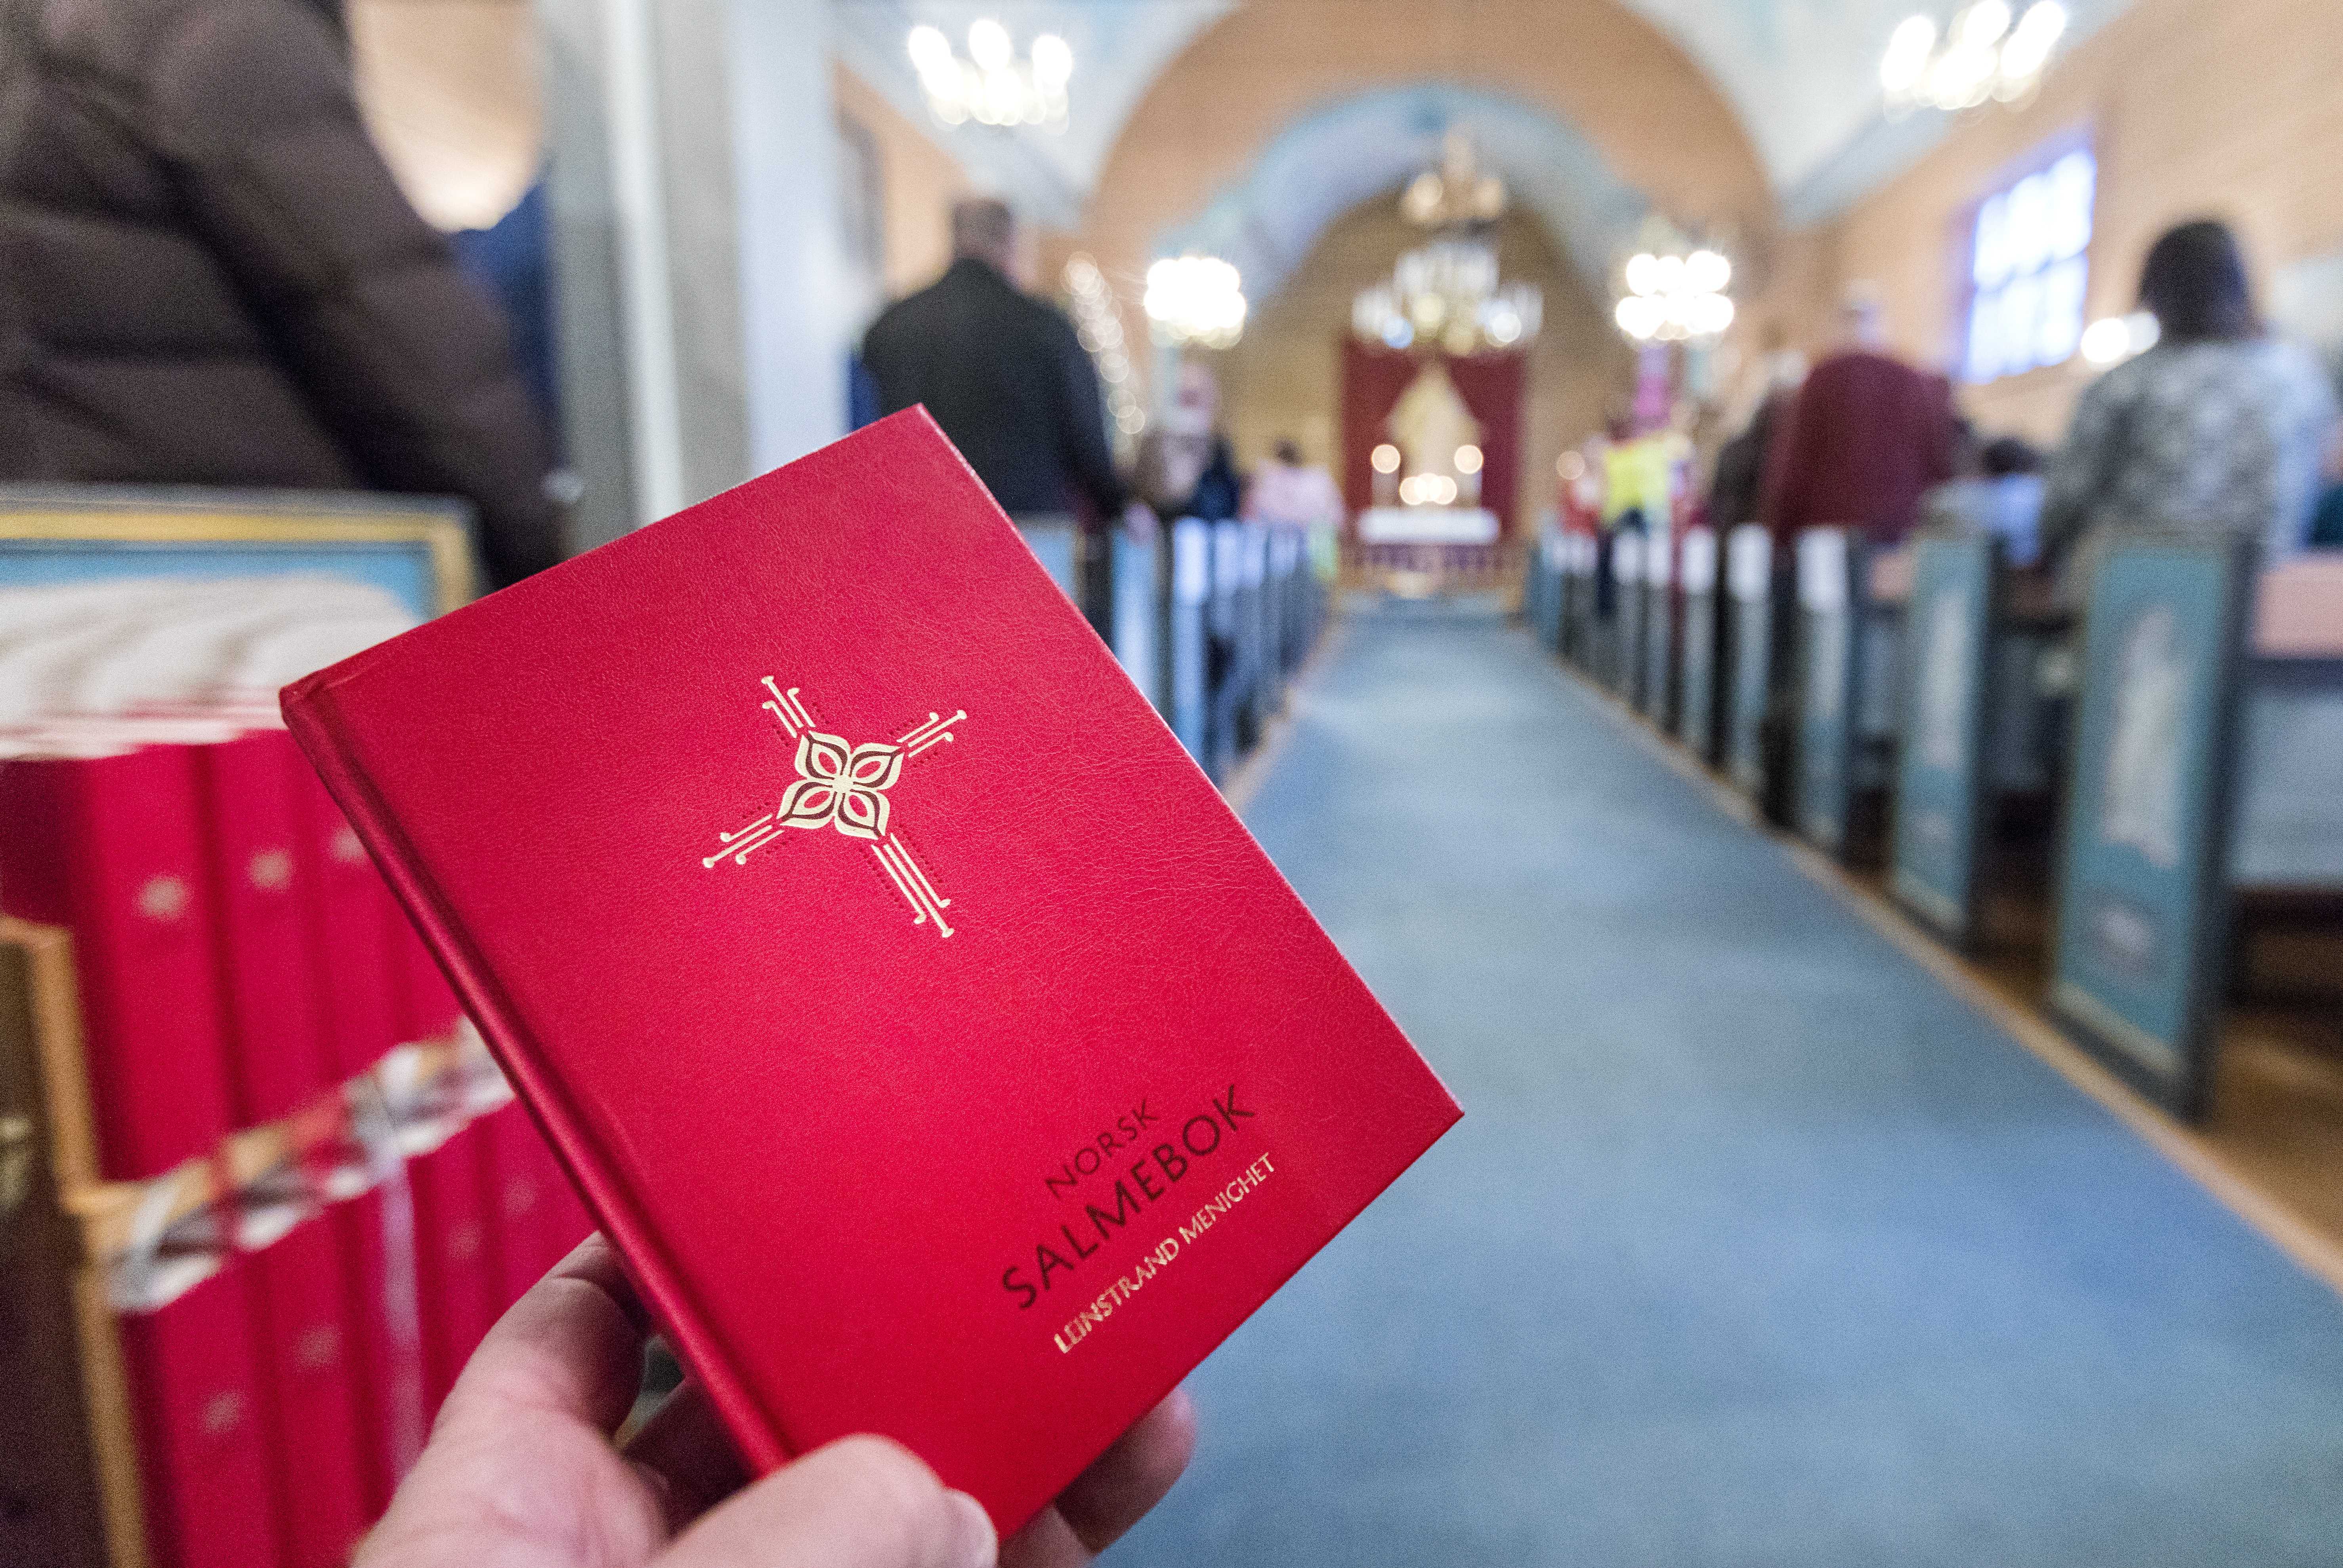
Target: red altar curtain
{"x":1491,"y":386}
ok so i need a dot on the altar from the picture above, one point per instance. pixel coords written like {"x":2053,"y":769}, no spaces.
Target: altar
{"x":1428,"y":526}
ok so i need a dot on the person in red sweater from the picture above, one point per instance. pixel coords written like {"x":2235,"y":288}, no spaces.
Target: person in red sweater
{"x":1867,"y":434}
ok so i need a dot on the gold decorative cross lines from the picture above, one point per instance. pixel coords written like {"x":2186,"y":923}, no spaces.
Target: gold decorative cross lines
{"x":843,"y":787}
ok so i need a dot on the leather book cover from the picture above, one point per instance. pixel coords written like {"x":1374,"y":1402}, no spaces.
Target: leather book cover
{"x":112,"y":847}
{"x":941,"y":1053}
{"x":427,"y":1008}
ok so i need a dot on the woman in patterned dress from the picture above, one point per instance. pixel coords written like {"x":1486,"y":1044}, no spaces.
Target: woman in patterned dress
{"x":2218,"y":428}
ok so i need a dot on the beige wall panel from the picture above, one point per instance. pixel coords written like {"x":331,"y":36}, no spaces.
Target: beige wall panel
{"x":918,"y":181}
{"x":1661,"y":124}
{"x":452,"y":91}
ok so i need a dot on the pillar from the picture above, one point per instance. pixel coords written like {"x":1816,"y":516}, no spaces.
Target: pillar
{"x":698,"y":247}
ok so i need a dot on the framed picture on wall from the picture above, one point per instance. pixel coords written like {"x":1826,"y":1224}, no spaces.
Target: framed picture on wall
{"x":2142,"y":896}
{"x":417,"y":549}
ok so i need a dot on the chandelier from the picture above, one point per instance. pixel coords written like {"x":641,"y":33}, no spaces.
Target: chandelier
{"x":1448,"y":292}
{"x":1980,"y":56}
{"x":1674,"y":297}
{"x":1195,"y":301}
{"x":1098,"y":323}
{"x":993,"y":86}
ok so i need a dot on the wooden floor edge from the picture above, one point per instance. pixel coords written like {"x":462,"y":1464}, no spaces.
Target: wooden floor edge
{"x":2312,"y":1252}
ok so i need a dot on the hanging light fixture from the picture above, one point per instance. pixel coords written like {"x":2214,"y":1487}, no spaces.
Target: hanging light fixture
{"x":1448,"y":292}
{"x":1980,"y":58}
{"x":992,"y":86}
{"x":1098,"y":323}
{"x":1675,"y":295}
{"x":1195,"y":301}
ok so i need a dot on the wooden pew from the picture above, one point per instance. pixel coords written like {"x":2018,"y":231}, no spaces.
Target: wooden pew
{"x":1655,"y":692}
{"x":1580,"y":556}
{"x":1749,"y":637}
{"x":1699,"y":666}
{"x":1848,"y":633}
{"x":1625,"y":656}
{"x":1188,"y":638}
{"x":2208,"y":744}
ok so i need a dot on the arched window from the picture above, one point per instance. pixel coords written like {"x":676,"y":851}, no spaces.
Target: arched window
{"x":2029,"y":247}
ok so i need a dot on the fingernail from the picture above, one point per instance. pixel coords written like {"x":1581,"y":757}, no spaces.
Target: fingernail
{"x":978,"y":1545}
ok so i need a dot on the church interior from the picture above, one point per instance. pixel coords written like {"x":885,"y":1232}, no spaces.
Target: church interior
{"x":1701,"y":538}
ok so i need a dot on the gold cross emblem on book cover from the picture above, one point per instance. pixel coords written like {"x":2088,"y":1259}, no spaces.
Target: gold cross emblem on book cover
{"x":842,"y":786}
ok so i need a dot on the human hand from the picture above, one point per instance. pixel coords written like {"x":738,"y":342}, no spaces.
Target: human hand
{"x":521,"y":1472}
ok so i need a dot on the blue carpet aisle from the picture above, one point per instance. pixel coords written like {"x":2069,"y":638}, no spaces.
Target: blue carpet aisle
{"x":1756,"y":1246}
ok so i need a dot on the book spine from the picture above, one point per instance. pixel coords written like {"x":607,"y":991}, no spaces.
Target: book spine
{"x":459,"y":1276}
{"x":111,"y":848}
{"x":308,"y":712}
{"x":278,"y":1056}
{"x":202,"y":1459}
{"x":354,"y":967}
{"x":375,"y":1235}
{"x":541,"y":1219}
{"x":280,"y":1061}
{"x":316,"y":1439}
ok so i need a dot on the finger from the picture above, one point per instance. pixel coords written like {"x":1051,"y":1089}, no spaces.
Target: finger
{"x":1132,"y":1477}
{"x":571,"y":1349}
{"x":859,"y":1503}
{"x":1111,"y":1496}
{"x":685,"y":1445}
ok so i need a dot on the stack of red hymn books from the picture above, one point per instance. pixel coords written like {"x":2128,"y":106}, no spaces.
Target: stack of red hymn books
{"x":944,"y":1058}
{"x":305,"y":1192}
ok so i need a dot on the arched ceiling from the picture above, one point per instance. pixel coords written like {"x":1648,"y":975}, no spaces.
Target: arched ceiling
{"x":1800,"y":74}
{"x":1330,"y":161}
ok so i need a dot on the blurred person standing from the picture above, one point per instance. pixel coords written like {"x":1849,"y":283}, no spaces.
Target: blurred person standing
{"x":1287,"y":490}
{"x":1867,"y":436}
{"x":1736,"y":491}
{"x":2218,"y":428}
{"x":209,"y":276}
{"x":1010,"y":384}
{"x":1186,"y":466}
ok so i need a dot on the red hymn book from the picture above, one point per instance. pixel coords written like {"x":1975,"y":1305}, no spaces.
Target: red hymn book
{"x":943,"y":1056}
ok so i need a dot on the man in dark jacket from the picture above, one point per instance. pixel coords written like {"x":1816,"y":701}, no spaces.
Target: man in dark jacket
{"x":1003,"y":374}
{"x":207,"y":275}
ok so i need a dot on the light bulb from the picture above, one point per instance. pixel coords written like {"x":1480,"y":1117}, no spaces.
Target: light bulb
{"x":1982,"y":24}
{"x":988,"y":44}
{"x":1053,"y":62}
{"x":930,"y":50}
{"x":1908,"y":55}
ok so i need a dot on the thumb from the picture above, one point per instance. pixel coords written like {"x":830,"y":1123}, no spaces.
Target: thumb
{"x":859,"y":1503}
